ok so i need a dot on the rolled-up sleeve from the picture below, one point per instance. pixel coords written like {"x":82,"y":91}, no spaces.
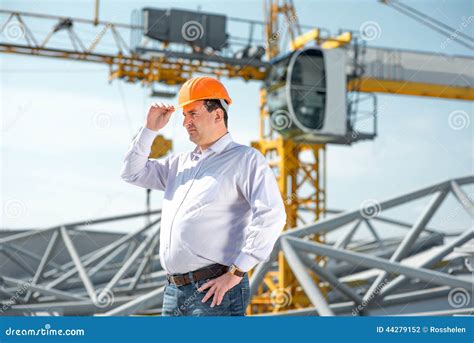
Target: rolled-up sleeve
{"x":259,"y":187}
{"x":141,"y":171}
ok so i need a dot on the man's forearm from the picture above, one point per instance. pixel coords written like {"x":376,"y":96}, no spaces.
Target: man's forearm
{"x":138,"y":169}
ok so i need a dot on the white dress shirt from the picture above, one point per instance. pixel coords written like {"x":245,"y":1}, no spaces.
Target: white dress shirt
{"x":220,"y":206}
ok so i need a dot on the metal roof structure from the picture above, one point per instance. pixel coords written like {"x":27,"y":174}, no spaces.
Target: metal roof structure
{"x":71,"y":269}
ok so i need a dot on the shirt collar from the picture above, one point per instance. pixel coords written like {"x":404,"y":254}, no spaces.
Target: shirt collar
{"x":221,"y":143}
{"x":217,"y":147}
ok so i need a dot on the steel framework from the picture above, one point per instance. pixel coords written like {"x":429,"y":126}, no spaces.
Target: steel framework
{"x":72,"y":270}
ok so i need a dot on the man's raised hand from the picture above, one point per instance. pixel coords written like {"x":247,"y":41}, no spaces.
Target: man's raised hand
{"x":158,"y":115}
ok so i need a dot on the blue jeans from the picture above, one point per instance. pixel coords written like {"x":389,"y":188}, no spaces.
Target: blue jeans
{"x":186,"y":300}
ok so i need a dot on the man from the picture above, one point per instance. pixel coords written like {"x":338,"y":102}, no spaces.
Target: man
{"x":222,"y":211}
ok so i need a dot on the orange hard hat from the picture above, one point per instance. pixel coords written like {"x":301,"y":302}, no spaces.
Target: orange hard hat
{"x":202,"y":88}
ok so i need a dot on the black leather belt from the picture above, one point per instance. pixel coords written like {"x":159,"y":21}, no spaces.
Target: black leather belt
{"x":208,"y":272}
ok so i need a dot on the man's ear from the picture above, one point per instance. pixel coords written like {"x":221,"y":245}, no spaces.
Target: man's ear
{"x":219,"y":116}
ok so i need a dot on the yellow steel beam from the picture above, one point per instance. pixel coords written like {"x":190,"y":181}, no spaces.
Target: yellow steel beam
{"x":134,"y":68}
{"x":300,"y":41}
{"x":315,"y":35}
{"x":410,"y":88}
{"x":341,"y":40}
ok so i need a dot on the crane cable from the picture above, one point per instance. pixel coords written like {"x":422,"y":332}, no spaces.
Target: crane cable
{"x":441,"y":24}
{"x":451,"y":33}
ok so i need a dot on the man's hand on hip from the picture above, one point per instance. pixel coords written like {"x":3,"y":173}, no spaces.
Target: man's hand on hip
{"x":219,"y":287}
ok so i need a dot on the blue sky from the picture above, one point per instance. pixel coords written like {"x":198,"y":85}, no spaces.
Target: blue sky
{"x":61,"y":162}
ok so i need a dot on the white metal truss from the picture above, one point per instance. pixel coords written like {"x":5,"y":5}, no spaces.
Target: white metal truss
{"x":67,"y":270}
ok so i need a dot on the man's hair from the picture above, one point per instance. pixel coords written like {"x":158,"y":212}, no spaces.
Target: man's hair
{"x":213,"y":104}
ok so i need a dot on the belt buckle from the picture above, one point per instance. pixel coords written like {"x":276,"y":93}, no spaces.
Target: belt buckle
{"x":178,"y":280}
{"x":172,"y":280}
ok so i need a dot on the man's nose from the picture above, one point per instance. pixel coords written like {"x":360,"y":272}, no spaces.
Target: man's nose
{"x":187,"y":121}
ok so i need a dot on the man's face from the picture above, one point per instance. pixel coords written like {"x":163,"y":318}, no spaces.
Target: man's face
{"x":199,"y":123}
